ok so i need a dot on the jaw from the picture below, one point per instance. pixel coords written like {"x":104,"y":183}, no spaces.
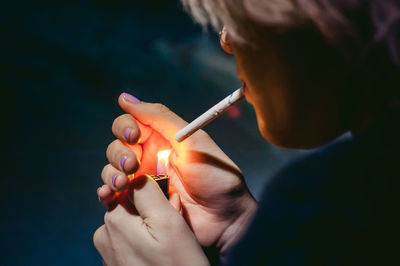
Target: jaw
{"x":297,"y":133}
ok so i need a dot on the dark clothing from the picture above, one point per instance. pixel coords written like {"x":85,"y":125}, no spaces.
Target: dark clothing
{"x":338,"y":206}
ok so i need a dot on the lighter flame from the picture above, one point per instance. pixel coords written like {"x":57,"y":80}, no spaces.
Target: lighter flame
{"x":162,"y":162}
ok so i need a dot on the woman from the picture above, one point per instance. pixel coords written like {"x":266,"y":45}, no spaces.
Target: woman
{"x":312,"y":70}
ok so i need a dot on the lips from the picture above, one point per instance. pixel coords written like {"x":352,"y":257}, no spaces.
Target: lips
{"x":245,"y":92}
{"x":244,"y":87}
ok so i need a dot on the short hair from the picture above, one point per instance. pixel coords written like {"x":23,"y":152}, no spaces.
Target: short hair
{"x":366,"y":29}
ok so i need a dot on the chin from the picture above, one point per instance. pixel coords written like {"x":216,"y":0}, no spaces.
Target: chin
{"x":292,"y":138}
{"x":286,"y":133}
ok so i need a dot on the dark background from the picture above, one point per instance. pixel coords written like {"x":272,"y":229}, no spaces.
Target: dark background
{"x":63,"y":64}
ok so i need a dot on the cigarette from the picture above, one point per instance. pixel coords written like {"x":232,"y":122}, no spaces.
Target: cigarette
{"x":209,"y":115}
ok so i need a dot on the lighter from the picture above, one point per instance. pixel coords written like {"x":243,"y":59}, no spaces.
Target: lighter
{"x":162,"y":178}
{"x":162,"y":181}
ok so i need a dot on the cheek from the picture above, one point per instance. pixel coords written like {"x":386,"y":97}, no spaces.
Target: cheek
{"x":274,"y":121}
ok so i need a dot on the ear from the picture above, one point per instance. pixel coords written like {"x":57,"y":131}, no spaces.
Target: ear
{"x":224,"y":41}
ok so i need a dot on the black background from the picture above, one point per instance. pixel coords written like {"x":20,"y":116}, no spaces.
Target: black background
{"x":63,"y":65}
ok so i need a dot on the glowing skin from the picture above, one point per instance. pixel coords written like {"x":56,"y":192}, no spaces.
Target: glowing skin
{"x":297,"y":88}
{"x":155,"y":227}
{"x":215,"y":201}
{"x":301,"y":99}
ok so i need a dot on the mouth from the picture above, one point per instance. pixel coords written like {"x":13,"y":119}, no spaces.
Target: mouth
{"x":245,"y":91}
{"x":244,"y":87}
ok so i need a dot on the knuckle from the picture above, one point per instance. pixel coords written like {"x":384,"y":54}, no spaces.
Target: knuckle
{"x":112,"y":219}
{"x":104,"y":171}
{"x":109,"y":219}
{"x":108,"y":170}
{"x":119,"y":122}
{"x":161,"y":108}
{"x":110,"y":149}
{"x":125,"y":116}
{"x":97,"y":236}
{"x":121,"y":118}
{"x":115,"y":124}
{"x":115,"y":220}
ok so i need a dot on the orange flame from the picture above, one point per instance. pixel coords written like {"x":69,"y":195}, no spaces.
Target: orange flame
{"x":162,"y":162}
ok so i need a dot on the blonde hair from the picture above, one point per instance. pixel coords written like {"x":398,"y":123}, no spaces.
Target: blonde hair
{"x":359,"y":24}
{"x":367,"y":31}
{"x":240,"y":17}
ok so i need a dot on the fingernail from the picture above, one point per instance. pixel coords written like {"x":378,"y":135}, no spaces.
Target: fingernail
{"x":127,"y":134}
{"x":123,"y":161}
{"x":131,"y":98}
{"x":114,"y":178}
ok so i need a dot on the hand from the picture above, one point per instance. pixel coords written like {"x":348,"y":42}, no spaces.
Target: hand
{"x":148,"y":232}
{"x":215,"y":200}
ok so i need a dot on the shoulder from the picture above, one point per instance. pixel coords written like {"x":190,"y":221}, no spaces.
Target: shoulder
{"x":367,"y":159}
{"x":336,"y":206}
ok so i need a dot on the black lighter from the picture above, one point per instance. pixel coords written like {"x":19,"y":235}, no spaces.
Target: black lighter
{"x":162,"y":181}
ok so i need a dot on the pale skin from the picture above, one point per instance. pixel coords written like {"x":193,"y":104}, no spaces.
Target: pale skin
{"x":215,"y":201}
{"x":139,"y":231}
{"x":295,"y":108}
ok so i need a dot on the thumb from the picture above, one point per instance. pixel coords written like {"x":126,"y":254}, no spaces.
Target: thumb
{"x":148,"y":198}
{"x":155,"y":115}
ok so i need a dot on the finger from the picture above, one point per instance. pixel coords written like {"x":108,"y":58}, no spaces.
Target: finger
{"x":106,"y":196}
{"x":128,"y":130}
{"x":114,"y":178}
{"x":148,"y":198}
{"x":122,"y":157}
{"x":137,"y":150}
{"x":158,"y":117}
{"x":101,"y":241}
{"x":99,"y":238}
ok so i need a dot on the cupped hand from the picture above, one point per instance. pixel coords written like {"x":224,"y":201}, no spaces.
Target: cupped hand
{"x":146,"y":232}
{"x":215,"y":200}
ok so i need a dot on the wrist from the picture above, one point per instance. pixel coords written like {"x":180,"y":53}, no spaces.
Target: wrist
{"x":238,"y":227}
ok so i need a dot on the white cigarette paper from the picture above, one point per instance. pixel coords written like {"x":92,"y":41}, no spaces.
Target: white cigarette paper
{"x":209,"y":115}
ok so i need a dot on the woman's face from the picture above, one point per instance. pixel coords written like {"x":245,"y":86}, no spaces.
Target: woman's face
{"x":295,"y":84}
